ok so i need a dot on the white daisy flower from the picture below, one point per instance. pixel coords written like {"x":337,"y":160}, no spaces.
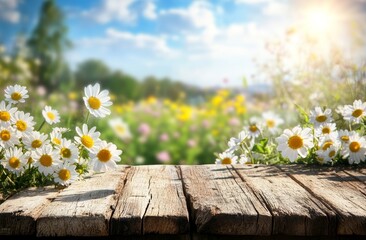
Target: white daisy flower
{"x":105,"y":157}
{"x":8,"y":137}
{"x":355,"y":112}
{"x":96,"y":101}
{"x":65,"y":174}
{"x":325,"y":128}
{"x":14,"y":160}
{"x":272,"y":122}
{"x":318,"y":116}
{"x":56,"y":137}
{"x":227,"y":158}
{"x":244,"y":159}
{"x":88,"y":138}
{"x":68,"y":151}
{"x":253,"y":130}
{"x":344,"y":135}
{"x":61,"y":130}
{"x":355,"y":149}
{"x":46,"y":159}
{"x":295,"y":142}
{"x":6,"y":112}
{"x":234,"y":143}
{"x":327,"y":141}
{"x":50,"y":115}
{"x":29,"y":157}
{"x":23,"y":122}
{"x":16,"y":94}
{"x":326,"y":156}
{"x":35,"y":140}
{"x":120,"y":128}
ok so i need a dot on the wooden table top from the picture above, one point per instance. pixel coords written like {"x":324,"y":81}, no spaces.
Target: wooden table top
{"x":200,"y":200}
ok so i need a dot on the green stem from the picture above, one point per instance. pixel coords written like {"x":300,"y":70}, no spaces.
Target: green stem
{"x":87,"y":118}
{"x":40,"y":127}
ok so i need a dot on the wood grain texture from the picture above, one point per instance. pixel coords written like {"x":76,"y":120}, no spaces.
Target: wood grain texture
{"x":359,"y":174}
{"x":18,"y":214}
{"x":337,"y":191}
{"x":220,"y":203}
{"x":152,"y":202}
{"x":295,"y":211}
{"x":84,"y":208}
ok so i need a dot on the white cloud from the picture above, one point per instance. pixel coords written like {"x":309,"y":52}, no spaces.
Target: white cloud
{"x":111,"y":10}
{"x":275,"y":9}
{"x":141,"y":41}
{"x":150,"y":11}
{"x":251,"y":1}
{"x":116,"y":41}
{"x":9,"y":11}
{"x":197,"y":16}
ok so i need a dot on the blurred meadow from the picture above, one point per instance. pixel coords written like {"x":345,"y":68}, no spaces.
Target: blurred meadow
{"x":183,"y":76}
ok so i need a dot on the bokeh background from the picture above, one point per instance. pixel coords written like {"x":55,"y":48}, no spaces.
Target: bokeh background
{"x":184,"y":75}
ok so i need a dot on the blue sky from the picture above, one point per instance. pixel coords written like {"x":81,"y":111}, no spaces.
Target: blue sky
{"x":196,"y":41}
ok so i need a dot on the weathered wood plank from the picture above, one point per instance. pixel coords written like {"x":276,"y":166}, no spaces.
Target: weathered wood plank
{"x":84,"y":208}
{"x":152,"y":202}
{"x":337,"y":192}
{"x":167,"y":212}
{"x":359,"y":174}
{"x":295,"y":211}
{"x":220,"y":203}
{"x":18,"y":214}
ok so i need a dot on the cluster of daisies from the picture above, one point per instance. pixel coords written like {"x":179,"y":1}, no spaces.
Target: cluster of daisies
{"x":52,"y":154}
{"x":240,"y":149}
{"x":318,"y":139}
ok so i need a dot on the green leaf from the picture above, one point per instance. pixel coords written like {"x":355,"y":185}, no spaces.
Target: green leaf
{"x":303,"y":114}
{"x":258,"y":148}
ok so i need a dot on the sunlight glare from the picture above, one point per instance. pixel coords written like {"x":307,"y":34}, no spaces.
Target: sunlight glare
{"x":320,"y":21}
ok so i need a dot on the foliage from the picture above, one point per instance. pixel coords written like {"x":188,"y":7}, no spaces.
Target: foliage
{"x":301,"y":64}
{"x":161,"y":131}
{"x":47,"y":43}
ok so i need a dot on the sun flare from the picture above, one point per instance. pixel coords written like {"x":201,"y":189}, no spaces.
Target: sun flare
{"x":320,"y":20}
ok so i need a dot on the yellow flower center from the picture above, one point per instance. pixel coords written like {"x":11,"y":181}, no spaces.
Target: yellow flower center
{"x":66,"y":153}
{"x":226,"y":160}
{"x":94,"y":103}
{"x":354,"y":146}
{"x":16,"y":96}
{"x":4,"y":116}
{"x":5,"y":135}
{"x":326,"y":145}
{"x":14,"y":162}
{"x":104,"y":155}
{"x":56,"y":141}
{"x":331,"y":154}
{"x":270,"y":123}
{"x":21,"y":125}
{"x":120,"y":129}
{"x":356,"y":113}
{"x":321,"y":118}
{"x":345,"y":138}
{"x":295,"y":142}
{"x":64,"y":174}
{"x":87,"y":141}
{"x":51,"y":116}
{"x":46,"y":160}
{"x":36,"y":143}
{"x":253,"y":128}
{"x":326,"y":130}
